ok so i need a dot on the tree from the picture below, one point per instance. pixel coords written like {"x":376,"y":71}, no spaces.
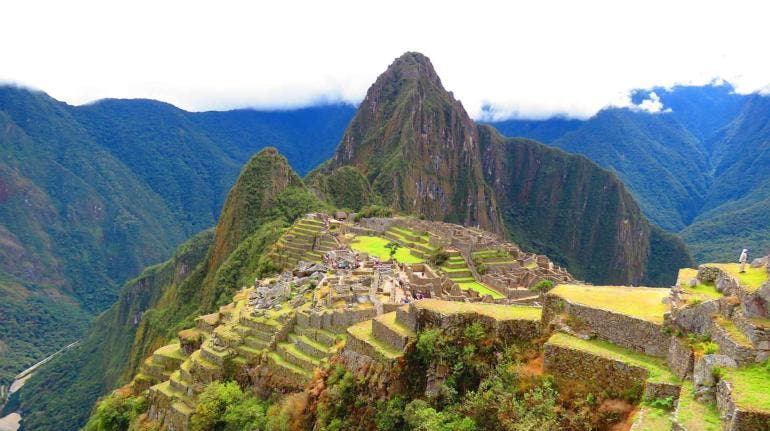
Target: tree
{"x":393,"y":247}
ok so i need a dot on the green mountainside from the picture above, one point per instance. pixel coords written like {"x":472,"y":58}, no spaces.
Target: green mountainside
{"x":90,"y":195}
{"x":552,"y":201}
{"x":698,"y":168}
{"x":203,"y":274}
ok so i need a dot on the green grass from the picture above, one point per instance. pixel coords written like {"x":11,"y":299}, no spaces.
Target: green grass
{"x":495,"y":311}
{"x":752,"y":279}
{"x":701,"y":291}
{"x":696,"y":416}
{"x":735,"y":334}
{"x":751,"y":386}
{"x":480,"y":288}
{"x":490,"y":254}
{"x":363,"y":331}
{"x":644,"y":303}
{"x":171,"y":351}
{"x":657,"y":368}
{"x":653,"y":419}
{"x":389,"y":319}
{"x":375,"y":246}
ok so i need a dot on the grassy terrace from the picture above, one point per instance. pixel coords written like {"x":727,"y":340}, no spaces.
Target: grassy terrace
{"x":375,"y":246}
{"x":644,"y":303}
{"x":751,"y":280}
{"x":751,"y":386}
{"x":363,"y":332}
{"x":389,"y":319}
{"x":657,"y":368}
{"x":701,"y":291}
{"x":495,"y":311}
{"x":170,"y":351}
{"x":653,"y":419}
{"x":465,"y":282}
{"x":480,"y":288}
{"x":735,"y":334}
{"x":696,"y":416}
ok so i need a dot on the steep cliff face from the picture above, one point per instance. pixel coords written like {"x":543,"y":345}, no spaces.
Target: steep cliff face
{"x":580,"y":215}
{"x":422,"y":154}
{"x":418,"y":148}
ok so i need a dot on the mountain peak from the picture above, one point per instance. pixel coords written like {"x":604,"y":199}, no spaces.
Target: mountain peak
{"x":412,"y":66}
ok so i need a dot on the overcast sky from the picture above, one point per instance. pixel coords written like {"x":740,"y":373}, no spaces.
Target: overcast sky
{"x":525,"y":59}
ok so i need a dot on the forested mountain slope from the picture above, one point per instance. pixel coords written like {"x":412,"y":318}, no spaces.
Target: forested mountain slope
{"x":90,"y":195}
{"x":698,"y":166}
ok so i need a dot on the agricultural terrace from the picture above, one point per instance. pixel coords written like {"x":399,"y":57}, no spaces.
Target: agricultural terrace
{"x":751,"y":386}
{"x":752,"y":279}
{"x":495,"y":311}
{"x":644,"y":303}
{"x":701,"y":291}
{"x":375,"y":246}
{"x":657,"y":368}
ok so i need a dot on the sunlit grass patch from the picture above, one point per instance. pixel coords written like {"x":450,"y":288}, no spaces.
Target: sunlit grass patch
{"x":375,"y":246}
{"x":645,"y":303}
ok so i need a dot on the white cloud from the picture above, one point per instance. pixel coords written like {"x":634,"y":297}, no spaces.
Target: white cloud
{"x":524,"y":59}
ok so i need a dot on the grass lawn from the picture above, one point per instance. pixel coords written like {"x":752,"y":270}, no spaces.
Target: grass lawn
{"x":657,"y":367}
{"x":653,"y":419}
{"x":495,"y":311}
{"x":696,"y":416}
{"x":751,"y":386}
{"x":752,"y":279}
{"x":375,"y":246}
{"x":701,"y":291}
{"x":482,"y":289}
{"x":645,"y":303}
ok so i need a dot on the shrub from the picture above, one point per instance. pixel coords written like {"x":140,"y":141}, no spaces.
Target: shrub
{"x":666,"y":403}
{"x":115,"y":413}
{"x":439,"y":257}
{"x":223,"y":406}
{"x":373,"y":211}
{"x":543,"y":286}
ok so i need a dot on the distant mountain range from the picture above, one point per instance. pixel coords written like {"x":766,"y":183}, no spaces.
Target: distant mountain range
{"x":699,"y":167}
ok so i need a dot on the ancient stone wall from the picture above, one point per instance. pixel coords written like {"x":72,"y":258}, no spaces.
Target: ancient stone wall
{"x":620,"y":329}
{"x":680,"y":358}
{"x":582,"y":370}
{"x":735,"y":418}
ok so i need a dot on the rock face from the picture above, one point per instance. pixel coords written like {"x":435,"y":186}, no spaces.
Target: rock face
{"x":419,"y":149}
{"x":422,"y":154}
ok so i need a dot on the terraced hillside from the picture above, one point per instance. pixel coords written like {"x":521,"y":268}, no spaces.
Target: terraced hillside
{"x":307,"y":240}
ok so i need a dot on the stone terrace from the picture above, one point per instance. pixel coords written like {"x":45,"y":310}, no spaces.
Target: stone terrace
{"x":385,"y":337}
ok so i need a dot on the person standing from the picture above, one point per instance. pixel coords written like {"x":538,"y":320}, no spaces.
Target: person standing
{"x":743,"y":259}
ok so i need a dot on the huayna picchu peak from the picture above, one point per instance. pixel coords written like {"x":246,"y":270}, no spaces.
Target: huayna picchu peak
{"x":431,"y":275}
